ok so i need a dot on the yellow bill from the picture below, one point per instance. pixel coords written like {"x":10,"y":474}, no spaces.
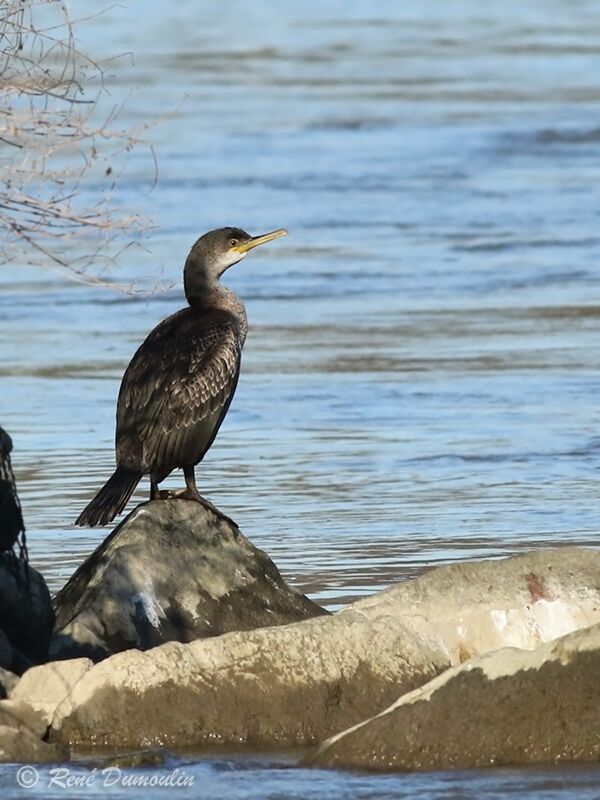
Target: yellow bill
{"x":255,"y":241}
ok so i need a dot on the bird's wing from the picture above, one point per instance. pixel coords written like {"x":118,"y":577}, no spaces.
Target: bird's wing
{"x":184,"y":372}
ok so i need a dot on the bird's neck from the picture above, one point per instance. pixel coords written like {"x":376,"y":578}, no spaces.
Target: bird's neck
{"x":197,"y":282}
{"x":217,"y":297}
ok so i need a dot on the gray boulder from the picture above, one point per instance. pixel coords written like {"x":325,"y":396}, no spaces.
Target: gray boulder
{"x":26,"y":615}
{"x":473,"y":607}
{"x":44,"y":687}
{"x":506,"y":708}
{"x":173,"y":570}
{"x":286,"y":685}
{"x":300,"y":683}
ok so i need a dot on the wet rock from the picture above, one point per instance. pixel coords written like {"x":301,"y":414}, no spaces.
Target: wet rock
{"x":131,"y":760}
{"x":173,"y":570}
{"x":44,"y":687}
{"x":300,"y":683}
{"x":477,"y":606}
{"x":508,"y":707}
{"x":26,"y":615}
{"x":8,"y":682}
{"x":292,"y":684}
{"x":21,"y":731}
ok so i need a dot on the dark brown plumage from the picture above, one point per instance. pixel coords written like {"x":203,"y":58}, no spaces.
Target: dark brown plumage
{"x":178,"y":386}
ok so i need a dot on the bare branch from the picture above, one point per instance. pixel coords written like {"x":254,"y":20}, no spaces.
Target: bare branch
{"x":51,"y":138}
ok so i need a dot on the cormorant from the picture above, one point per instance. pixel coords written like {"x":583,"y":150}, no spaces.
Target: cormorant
{"x":178,"y":386}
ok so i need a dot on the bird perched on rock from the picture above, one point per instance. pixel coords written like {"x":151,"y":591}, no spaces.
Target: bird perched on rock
{"x":178,"y":386}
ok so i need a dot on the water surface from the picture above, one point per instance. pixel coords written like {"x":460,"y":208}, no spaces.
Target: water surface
{"x":273,"y":777}
{"x":420,"y":383}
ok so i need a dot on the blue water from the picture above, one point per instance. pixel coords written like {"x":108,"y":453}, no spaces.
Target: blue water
{"x":421,"y":379}
{"x":249,"y":777}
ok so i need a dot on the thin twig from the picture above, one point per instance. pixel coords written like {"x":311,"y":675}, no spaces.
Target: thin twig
{"x":45,"y":119}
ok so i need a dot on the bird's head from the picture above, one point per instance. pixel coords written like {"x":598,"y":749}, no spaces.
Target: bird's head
{"x":218,"y":250}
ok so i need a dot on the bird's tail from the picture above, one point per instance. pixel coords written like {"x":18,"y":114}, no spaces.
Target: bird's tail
{"x":111,"y":499}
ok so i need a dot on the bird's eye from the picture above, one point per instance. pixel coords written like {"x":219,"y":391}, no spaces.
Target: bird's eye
{"x":233,"y":242}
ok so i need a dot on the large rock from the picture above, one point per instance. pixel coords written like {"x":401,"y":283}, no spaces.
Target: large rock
{"x":508,"y":707}
{"x":173,"y":570}
{"x":26,"y":615}
{"x":477,"y":606}
{"x":16,"y":712}
{"x":43,"y":688}
{"x":300,"y":683}
{"x":18,"y":745}
{"x":21,"y":731}
{"x":293,"y":684}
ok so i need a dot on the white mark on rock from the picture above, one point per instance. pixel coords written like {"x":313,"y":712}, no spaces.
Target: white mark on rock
{"x":499,"y":618}
{"x":150,"y":604}
{"x":554,"y":618}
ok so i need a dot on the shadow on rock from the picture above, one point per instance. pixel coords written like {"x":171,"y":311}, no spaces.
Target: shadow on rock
{"x":508,"y":707}
{"x":26,"y":615}
{"x":173,"y":570}
{"x":300,"y":683}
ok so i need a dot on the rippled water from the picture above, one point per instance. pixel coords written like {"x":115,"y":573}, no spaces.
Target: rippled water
{"x":256,"y":777}
{"x":421,"y":379}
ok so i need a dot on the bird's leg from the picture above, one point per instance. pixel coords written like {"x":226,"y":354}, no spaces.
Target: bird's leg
{"x":191,"y":490}
{"x":154,"y":491}
{"x":191,"y":493}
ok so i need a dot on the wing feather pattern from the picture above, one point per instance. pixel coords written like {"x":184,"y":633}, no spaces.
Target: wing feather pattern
{"x":177,"y":390}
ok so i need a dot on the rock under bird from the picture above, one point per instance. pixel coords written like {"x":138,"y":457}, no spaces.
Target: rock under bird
{"x":178,"y":386}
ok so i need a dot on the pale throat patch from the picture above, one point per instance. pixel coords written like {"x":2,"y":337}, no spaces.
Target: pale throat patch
{"x":229,"y":258}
